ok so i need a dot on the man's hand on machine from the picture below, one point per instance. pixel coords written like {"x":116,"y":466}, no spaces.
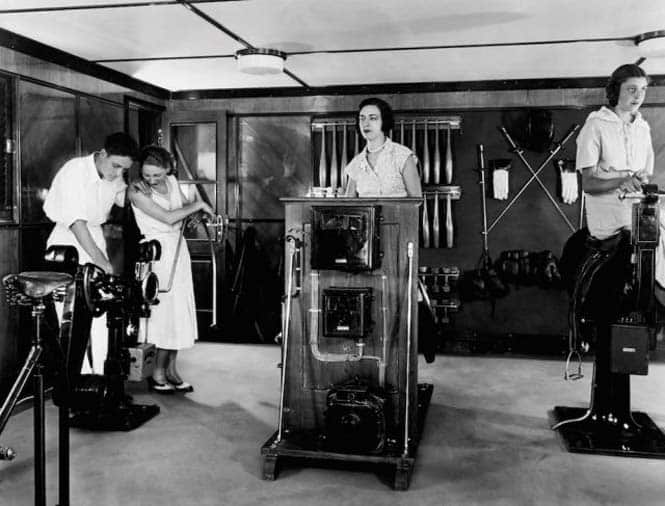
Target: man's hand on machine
{"x":643,"y":176}
{"x":631,"y":183}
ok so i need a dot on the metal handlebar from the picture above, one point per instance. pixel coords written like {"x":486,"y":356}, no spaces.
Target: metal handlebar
{"x":645,"y":193}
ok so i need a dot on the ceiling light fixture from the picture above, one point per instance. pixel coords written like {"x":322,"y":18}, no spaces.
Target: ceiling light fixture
{"x":651,"y":43}
{"x":260,"y":61}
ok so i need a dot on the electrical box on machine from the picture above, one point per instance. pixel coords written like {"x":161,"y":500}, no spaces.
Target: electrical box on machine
{"x":346,"y":239}
{"x":347,"y":312}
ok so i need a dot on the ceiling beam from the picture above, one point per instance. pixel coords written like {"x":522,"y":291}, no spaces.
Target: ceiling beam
{"x":396,"y":88}
{"x":188,"y":5}
{"x":105,"y":6}
{"x":36,"y":49}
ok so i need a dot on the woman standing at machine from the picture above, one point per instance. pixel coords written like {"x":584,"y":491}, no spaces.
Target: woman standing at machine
{"x":614,"y":152}
{"x":159,"y":215}
{"x":384,"y":168}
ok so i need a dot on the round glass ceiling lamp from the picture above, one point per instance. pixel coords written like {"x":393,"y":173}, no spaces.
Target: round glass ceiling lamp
{"x":260,"y":61}
{"x":651,"y":43}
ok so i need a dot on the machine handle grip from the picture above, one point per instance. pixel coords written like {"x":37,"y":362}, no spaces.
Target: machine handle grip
{"x":481,"y":157}
{"x":7,"y":453}
{"x":630,"y":195}
{"x":647,"y":191}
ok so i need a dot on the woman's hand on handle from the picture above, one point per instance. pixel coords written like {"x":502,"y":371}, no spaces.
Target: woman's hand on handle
{"x":206,"y":209}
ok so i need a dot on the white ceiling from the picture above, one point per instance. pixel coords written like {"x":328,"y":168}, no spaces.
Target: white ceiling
{"x":344,"y":42}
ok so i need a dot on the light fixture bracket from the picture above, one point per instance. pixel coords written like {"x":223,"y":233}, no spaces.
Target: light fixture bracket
{"x":259,"y":61}
{"x":651,"y":43}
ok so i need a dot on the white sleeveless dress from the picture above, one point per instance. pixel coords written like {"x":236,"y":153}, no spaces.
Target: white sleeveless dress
{"x":172,"y":323}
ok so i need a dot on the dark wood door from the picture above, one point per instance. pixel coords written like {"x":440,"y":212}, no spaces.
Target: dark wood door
{"x":270,"y":159}
{"x":197,"y":140}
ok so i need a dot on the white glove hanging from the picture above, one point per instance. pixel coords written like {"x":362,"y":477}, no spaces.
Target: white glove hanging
{"x":569,"y":187}
{"x":500,"y":183}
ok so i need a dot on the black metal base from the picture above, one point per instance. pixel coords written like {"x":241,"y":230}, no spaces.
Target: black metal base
{"x":126,"y":418}
{"x":582,"y":434}
{"x":307,"y":448}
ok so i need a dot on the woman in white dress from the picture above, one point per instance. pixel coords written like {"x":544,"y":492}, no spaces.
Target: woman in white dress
{"x":159,"y":215}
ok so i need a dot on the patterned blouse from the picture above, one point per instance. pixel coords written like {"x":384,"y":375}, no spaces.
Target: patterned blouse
{"x":385,"y":179}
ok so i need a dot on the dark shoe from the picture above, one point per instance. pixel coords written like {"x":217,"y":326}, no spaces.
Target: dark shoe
{"x":180,"y":386}
{"x":183,"y":387}
{"x":160,"y":388}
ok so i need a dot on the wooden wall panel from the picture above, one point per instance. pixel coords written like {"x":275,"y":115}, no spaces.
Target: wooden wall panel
{"x":9,"y":263}
{"x":533,"y":224}
{"x":47,"y":132}
{"x":57,"y":75}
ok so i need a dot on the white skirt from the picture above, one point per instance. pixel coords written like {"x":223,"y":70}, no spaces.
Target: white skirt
{"x":172,"y":322}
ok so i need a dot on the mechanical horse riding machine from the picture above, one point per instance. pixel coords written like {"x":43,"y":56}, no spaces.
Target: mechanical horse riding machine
{"x":349,"y":391}
{"x":612,"y":309}
{"x":96,"y":402}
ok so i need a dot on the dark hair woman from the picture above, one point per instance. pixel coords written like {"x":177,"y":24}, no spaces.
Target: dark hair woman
{"x":384,"y":168}
{"x":614,"y":152}
{"x":618,"y":77}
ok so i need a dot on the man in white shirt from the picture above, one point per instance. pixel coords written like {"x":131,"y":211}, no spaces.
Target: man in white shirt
{"x":79,"y":201}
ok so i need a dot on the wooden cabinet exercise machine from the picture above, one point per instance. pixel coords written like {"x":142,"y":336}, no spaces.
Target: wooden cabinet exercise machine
{"x":349,"y":390}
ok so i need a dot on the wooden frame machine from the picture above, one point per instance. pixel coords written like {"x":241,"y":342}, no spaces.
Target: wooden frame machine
{"x":349,"y":389}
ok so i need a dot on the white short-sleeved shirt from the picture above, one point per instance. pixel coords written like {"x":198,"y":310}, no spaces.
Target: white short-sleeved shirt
{"x":79,"y":193}
{"x":386,"y":178}
{"x":610,"y":145}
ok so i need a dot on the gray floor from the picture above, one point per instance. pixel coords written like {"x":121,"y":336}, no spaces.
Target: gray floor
{"x":486,"y":441}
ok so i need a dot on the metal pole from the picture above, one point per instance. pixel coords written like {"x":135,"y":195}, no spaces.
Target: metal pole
{"x":24,"y":375}
{"x":291,"y":242}
{"x":409,"y":317}
{"x":63,"y":454}
{"x":38,"y":415}
{"x":582,"y":204}
{"x":534,"y":174}
{"x":218,"y":236}
{"x":483,"y":196}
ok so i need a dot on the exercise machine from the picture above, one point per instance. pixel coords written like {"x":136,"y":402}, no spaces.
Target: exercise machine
{"x":612,"y":308}
{"x":38,"y":290}
{"x":99,"y":402}
{"x":349,"y":391}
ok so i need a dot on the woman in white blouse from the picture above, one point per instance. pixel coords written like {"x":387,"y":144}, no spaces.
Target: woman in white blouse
{"x":384,"y":168}
{"x":615,"y":155}
{"x":614,"y":152}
